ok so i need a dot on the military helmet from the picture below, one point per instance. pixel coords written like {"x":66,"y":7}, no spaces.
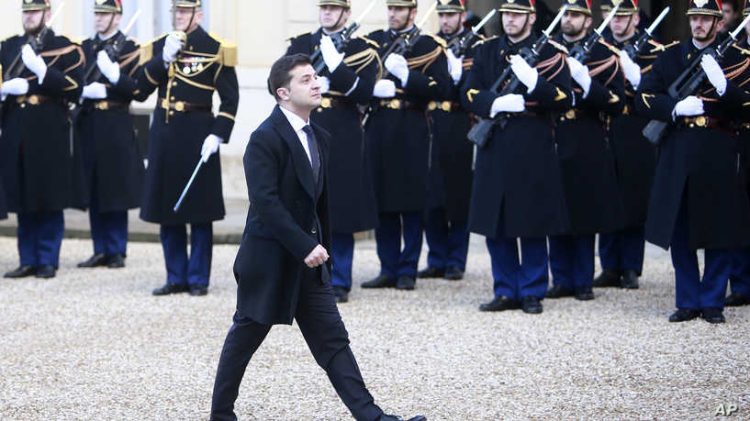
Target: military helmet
{"x":746,"y":10}
{"x":580,"y":6}
{"x":29,"y":5}
{"x":191,"y":4}
{"x":517,"y":6}
{"x":108,"y":6}
{"x":705,"y":7}
{"x":627,"y":7}
{"x":451,"y":6}
{"x":341,"y":3}
{"x":401,"y":3}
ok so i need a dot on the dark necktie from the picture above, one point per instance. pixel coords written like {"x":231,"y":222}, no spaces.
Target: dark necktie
{"x":312,"y":144}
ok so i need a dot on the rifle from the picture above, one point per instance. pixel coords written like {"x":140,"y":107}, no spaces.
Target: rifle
{"x":690,"y":81}
{"x":582,"y":50}
{"x":340,"y":40}
{"x":481,"y":131}
{"x":113,"y":50}
{"x":37,"y":44}
{"x":459,"y":45}
{"x":634,"y":49}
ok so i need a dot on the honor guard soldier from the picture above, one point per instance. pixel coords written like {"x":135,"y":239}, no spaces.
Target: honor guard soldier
{"x":451,"y":159}
{"x":698,"y":199}
{"x":517,"y":189}
{"x":186,"y":67}
{"x":739,"y":281}
{"x":42,"y":73}
{"x":346,"y":80}
{"x":586,"y":163}
{"x":621,"y":253}
{"x":398,"y":137}
{"x":113,"y":166}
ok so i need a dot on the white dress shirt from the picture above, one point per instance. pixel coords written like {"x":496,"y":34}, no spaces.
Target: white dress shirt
{"x":297,"y":125}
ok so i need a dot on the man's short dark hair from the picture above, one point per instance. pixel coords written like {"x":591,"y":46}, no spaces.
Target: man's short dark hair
{"x":734,"y":3}
{"x":281,"y":71}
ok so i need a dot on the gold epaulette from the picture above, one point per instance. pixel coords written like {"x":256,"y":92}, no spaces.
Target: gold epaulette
{"x":609,"y":46}
{"x":658,"y":48}
{"x":558,"y":46}
{"x":370,"y":42}
{"x":439,"y":40}
{"x":228,"y":54}
{"x":362,"y":59}
{"x":425,"y":60}
{"x":147,"y":50}
{"x":482,"y":41}
{"x":743,"y":51}
{"x":60,"y":51}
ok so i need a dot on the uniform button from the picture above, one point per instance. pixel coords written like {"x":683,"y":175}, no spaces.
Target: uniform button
{"x":314,"y":231}
{"x":174,"y":83}
{"x":172,"y":98}
{"x":23,"y":105}
{"x":171,"y":113}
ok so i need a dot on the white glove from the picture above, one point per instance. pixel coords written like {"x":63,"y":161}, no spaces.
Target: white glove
{"x":631,"y":70}
{"x":511,"y":103}
{"x":95,"y":90}
{"x":172,"y":46}
{"x":17,"y":86}
{"x":34,"y":63}
{"x":525,"y":73}
{"x":455,"y":66}
{"x":580,"y":74}
{"x":325,"y":84}
{"x":397,"y":66}
{"x":210,"y":147}
{"x":109,"y":69}
{"x":331,"y":55}
{"x":384,"y":88}
{"x":714,"y":73}
{"x":688,"y":107}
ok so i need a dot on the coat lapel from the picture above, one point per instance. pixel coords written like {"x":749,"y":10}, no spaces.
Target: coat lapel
{"x":299,"y":157}
{"x":321,"y":137}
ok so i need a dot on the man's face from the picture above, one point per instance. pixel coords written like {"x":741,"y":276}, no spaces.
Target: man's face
{"x":623,"y":26}
{"x":728,"y":13}
{"x":182,"y":17}
{"x":517,"y":24}
{"x":31,"y":20}
{"x":400,"y":17}
{"x":702,"y":27}
{"x":575,"y":24}
{"x":333,"y":18}
{"x":104,"y":22}
{"x":304,"y":90}
{"x":450,"y":23}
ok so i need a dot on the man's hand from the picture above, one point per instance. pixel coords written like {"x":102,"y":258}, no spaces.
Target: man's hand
{"x":109,"y":68}
{"x":95,"y":90}
{"x":17,"y":86}
{"x":580,"y":73}
{"x":34,"y":62}
{"x":172,"y":46}
{"x":510,"y":103}
{"x":397,"y":66}
{"x":688,"y":107}
{"x":714,"y":73}
{"x":455,"y":66}
{"x":331,"y":55}
{"x":210,"y":147}
{"x":631,"y":70}
{"x":317,"y":257}
{"x":384,"y":88}
{"x":528,"y":75}
{"x":325,"y":84}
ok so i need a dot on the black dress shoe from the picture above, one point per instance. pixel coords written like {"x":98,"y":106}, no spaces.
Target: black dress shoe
{"x":170,"y":289}
{"x":559,"y":291}
{"x":46,"y":272}
{"x":585,"y":294}
{"x":342,"y":295}
{"x":382,"y":281}
{"x":737,"y":300}
{"x":713,"y":315}
{"x":629,"y":279}
{"x":21,"y":272}
{"x":431,"y":272}
{"x":198,"y":291}
{"x":531,"y":305}
{"x":608,"y":278}
{"x":406,"y":283}
{"x":684,"y":315}
{"x":116,"y":261}
{"x":386,"y":417}
{"x":94,"y":261}
{"x":501,"y":303}
{"x":454,"y":274}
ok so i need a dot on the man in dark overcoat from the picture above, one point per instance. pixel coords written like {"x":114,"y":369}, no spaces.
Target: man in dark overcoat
{"x":283,"y":268}
{"x":346,"y":84}
{"x":699,"y":199}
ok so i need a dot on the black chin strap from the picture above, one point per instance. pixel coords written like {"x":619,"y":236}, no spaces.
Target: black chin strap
{"x":111,"y":21}
{"x":39,"y":27}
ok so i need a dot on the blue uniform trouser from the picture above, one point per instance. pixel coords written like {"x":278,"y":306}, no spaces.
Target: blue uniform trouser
{"x":739,"y":281}
{"x":394,"y":261}
{"x":571,"y":258}
{"x":691,"y":292}
{"x":448,"y":242}
{"x":519,"y":278}
{"x":195,"y":270}
{"x":623,"y":250}
{"x":40,"y":237}
{"x":342,"y":254}
{"x":109,"y":230}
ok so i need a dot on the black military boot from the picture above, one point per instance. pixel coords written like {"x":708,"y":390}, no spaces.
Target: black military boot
{"x":736,"y":300}
{"x":684,"y":315}
{"x":21,"y":272}
{"x":381,"y":281}
{"x":501,"y":303}
{"x":406,"y":283}
{"x":430,"y":272}
{"x":46,"y":272}
{"x":558,"y":291}
{"x":453,"y":274}
{"x":116,"y":261}
{"x":713,"y":315}
{"x":532,"y":305}
{"x":94,"y":261}
{"x":608,"y":278}
{"x":629,"y":279}
{"x":168,"y":289}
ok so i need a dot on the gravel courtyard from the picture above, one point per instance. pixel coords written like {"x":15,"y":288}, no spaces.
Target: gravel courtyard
{"x":94,"y":344}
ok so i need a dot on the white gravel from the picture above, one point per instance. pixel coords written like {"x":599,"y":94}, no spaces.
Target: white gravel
{"x":94,"y":344}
